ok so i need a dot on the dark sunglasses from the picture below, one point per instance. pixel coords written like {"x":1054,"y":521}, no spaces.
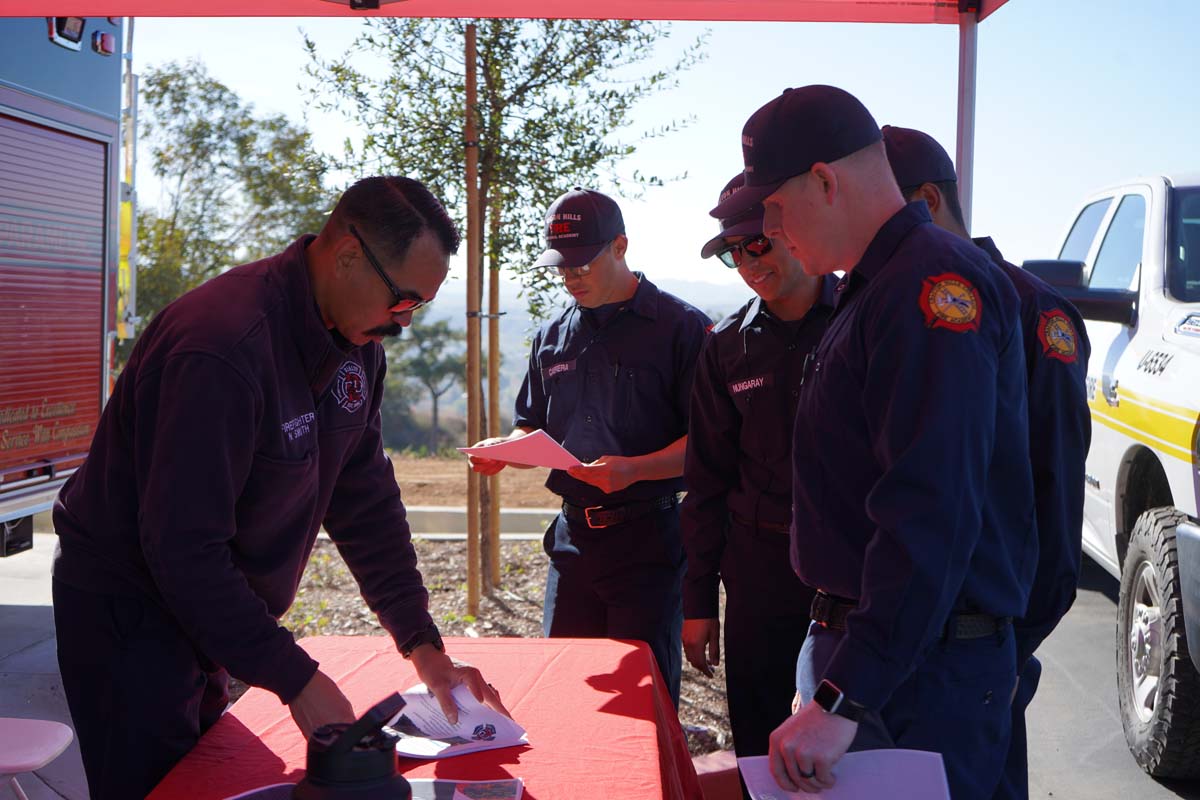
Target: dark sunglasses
{"x":403,"y":301}
{"x":733,"y":255}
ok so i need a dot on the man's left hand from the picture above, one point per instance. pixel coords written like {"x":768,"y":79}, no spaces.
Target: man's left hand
{"x":806,"y":746}
{"x":441,"y":674}
{"x":609,"y":474}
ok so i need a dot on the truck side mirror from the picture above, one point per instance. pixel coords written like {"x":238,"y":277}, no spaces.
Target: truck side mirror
{"x":1102,"y":305}
{"x":1059,"y":274}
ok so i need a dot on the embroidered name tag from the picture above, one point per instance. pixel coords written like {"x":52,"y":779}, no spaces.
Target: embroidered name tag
{"x":558,"y":369}
{"x":300,"y":426}
{"x":760,"y":382}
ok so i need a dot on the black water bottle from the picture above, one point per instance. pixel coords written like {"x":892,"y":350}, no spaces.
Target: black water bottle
{"x":357,"y":761}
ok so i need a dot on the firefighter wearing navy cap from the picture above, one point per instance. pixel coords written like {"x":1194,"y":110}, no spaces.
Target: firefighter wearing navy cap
{"x":738,"y":471}
{"x":910,"y":459}
{"x":1060,"y":428}
{"x":610,"y":378}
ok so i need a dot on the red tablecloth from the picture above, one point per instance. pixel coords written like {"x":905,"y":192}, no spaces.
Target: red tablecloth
{"x":600,"y":722}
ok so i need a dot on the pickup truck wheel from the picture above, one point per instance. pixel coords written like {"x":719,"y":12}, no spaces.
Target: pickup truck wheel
{"x":1158,"y":688}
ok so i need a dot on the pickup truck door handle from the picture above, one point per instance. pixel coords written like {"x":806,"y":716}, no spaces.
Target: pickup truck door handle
{"x":1110,"y":391}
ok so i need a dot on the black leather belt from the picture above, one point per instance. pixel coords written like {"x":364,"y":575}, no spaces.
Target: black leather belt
{"x":607,"y":516}
{"x":773,"y":527}
{"x":831,"y":611}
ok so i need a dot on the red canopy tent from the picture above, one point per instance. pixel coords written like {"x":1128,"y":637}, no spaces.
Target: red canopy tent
{"x":966,"y":14}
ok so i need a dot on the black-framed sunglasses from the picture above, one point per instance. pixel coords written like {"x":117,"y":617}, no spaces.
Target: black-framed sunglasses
{"x":403,"y":300}
{"x":733,"y":255}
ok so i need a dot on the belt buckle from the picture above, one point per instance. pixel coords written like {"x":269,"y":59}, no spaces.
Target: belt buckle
{"x":587,"y":515}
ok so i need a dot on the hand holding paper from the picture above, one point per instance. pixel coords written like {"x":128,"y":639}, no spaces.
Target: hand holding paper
{"x":865,"y":775}
{"x":534,"y":449}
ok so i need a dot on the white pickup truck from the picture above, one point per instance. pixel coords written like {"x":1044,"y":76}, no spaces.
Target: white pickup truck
{"x":1131,"y":263}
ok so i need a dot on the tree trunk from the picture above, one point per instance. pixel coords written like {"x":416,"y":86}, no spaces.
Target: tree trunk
{"x":433,"y":428}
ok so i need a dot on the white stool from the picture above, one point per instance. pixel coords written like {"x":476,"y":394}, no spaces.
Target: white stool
{"x":29,"y":744}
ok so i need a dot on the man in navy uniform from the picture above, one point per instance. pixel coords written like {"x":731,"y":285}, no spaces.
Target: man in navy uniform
{"x":910,"y":459}
{"x":1060,"y":427}
{"x":610,"y":378}
{"x":738,"y":509}
{"x":247,"y":417}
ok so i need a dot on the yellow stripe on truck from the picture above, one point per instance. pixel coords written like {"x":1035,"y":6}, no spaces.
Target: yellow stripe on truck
{"x":1162,"y":426}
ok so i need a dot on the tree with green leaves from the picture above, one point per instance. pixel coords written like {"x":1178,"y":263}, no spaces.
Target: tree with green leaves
{"x":235,"y":186}
{"x":554,"y":97}
{"x":431,"y":354}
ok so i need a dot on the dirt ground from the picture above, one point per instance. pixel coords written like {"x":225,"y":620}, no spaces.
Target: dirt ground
{"x":328,"y":602}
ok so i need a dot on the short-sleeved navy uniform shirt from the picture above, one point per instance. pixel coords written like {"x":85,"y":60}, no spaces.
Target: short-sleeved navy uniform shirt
{"x":911,"y":452}
{"x":739,"y":449}
{"x":613,"y":381}
{"x":1060,"y":432}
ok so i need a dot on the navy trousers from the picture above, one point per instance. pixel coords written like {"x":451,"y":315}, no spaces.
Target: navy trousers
{"x":619,"y":582}
{"x":1015,"y":784}
{"x":138,"y":692}
{"x":956,"y":702}
{"x":766,"y":619}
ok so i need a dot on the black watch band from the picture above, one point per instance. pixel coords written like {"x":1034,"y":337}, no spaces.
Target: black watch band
{"x":427,"y":635}
{"x":834,"y":701}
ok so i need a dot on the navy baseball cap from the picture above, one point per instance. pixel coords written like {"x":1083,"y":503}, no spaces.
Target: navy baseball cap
{"x":579,"y":225}
{"x":748,"y":223}
{"x":788,"y":135}
{"x":916,"y":157}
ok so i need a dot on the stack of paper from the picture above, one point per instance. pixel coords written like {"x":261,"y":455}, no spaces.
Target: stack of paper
{"x":425,"y":733}
{"x":535,"y":449}
{"x":866,"y":775}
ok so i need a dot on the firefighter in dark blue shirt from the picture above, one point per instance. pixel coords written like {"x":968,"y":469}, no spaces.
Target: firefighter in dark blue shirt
{"x":910,"y":459}
{"x":738,"y":509}
{"x":246,"y":418}
{"x":609,"y":378}
{"x":1060,"y":427}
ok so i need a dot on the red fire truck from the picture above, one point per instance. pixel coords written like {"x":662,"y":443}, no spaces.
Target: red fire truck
{"x":66,"y":222}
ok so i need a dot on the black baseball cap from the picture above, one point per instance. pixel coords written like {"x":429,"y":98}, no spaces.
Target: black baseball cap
{"x":747,"y":223}
{"x":916,"y":157}
{"x":579,"y":224}
{"x":788,"y":135}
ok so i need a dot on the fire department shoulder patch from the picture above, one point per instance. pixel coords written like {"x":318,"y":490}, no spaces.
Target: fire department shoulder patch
{"x":1057,"y":335}
{"x":950,"y":301}
{"x":350,"y":387}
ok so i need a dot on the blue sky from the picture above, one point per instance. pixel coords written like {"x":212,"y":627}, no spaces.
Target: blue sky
{"x":1072,"y":95}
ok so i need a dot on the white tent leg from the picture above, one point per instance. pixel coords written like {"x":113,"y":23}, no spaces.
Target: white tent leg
{"x":968,"y":26}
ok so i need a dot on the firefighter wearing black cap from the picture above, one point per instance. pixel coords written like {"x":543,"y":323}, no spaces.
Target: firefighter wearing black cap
{"x":610,"y":378}
{"x":1060,"y":428}
{"x":738,"y":509}
{"x":910,"y":459}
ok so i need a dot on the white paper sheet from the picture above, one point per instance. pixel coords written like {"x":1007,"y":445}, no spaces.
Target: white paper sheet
{"x":535,"y":449}
{"x":425,"y":733}
{"x":866,"y":775}
{"x":422,"y":789}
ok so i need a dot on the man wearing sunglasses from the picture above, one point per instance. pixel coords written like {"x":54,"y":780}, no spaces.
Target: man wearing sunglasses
{"x":910,"y":459}
{"x":1060,"y":426}
{"x":610,"y":377}
{"x":246,"y":418}
{"x":738,"y":509}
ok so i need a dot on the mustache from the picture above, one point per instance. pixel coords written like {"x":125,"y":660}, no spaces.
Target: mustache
{"x":391,"y":329}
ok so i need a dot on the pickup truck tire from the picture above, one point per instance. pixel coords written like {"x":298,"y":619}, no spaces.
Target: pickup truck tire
{"x":1157,"y":686}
